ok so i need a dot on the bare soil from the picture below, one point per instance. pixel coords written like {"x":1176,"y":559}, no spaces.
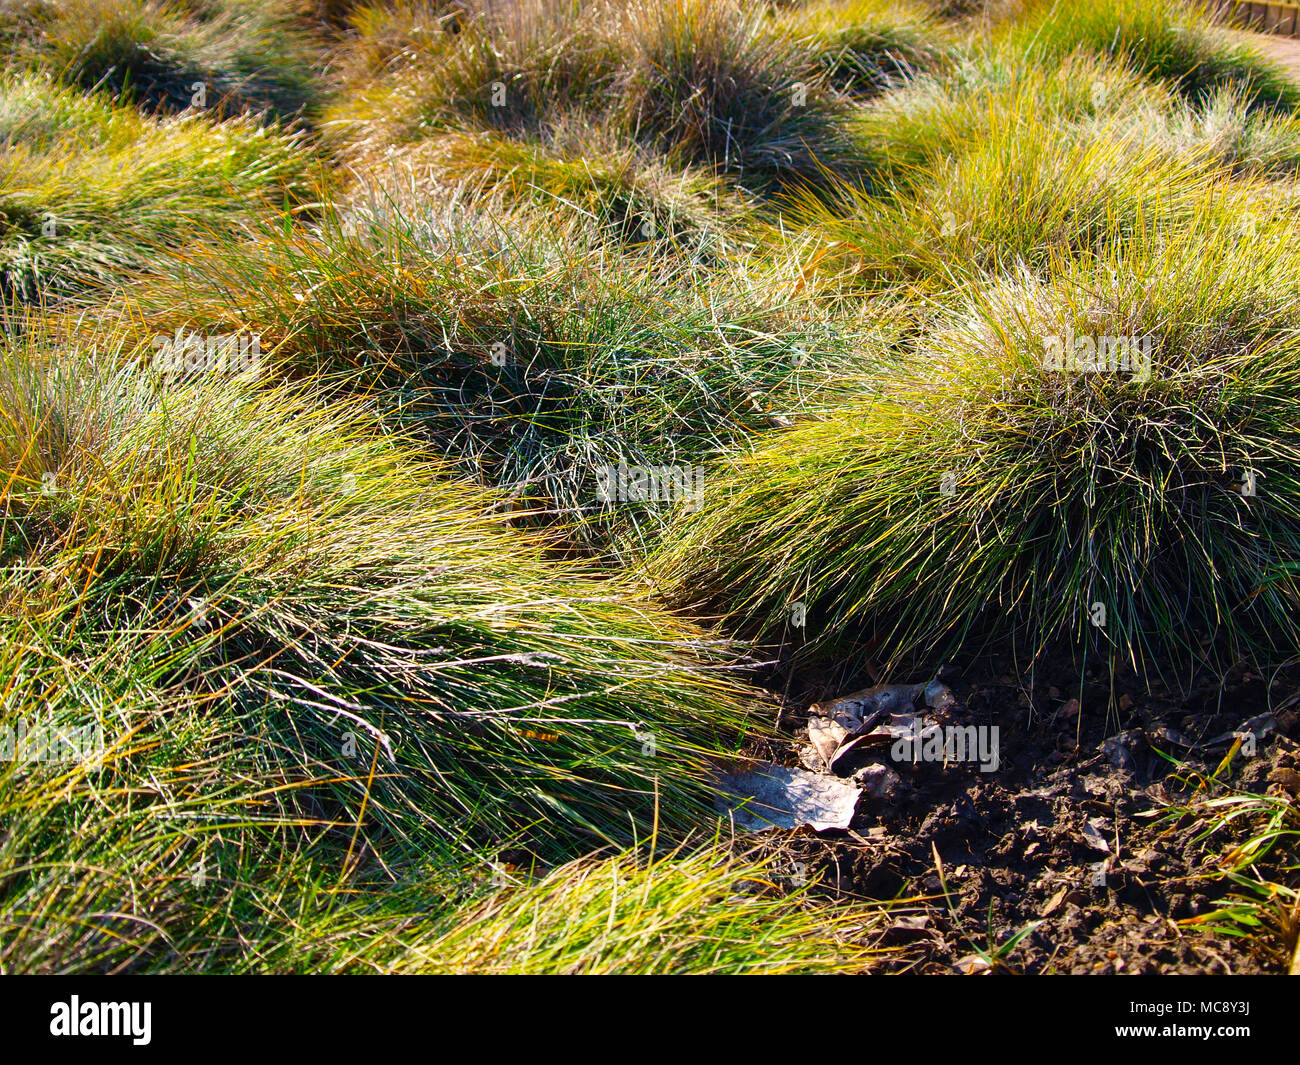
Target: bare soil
{"x":975,"y":858}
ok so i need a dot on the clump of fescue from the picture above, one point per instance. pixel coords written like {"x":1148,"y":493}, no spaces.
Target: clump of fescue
{"x":362,"y":618}
{"x":578,"y":169}
{"x":904,"y":136}
{"x":1027,"y":191}
{"x":90,"y":189}
{"x":981,"y":494}
{"x":707,"y":912}
{"x":180,"y":853}
{"x":514,"y":65}
{"x":702,"y":82}
{"x":507,"y":66}
{"x":1174,"y":41}
{"x":395,"y":34}
{"x":866,"y":46}
{"x":709,"y":80}
{"x":1005,"y":160}
{"x":531,"y":359}
{"x":383,"y":73}
{"x":959,"y":10}
{"x":1243,"y":139}
{"x":200,"y":840}
{"x":249,"y":55}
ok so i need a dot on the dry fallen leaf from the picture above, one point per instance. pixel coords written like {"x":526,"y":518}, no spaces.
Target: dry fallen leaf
{"x":1054,"y":903}
{"x":826,"y":735}
{"x":1161,"y":734}
{"x":886,"y":699}
{"x":839,"y":726}
{"x":1094,"y":835}
{"x":773,"y":796}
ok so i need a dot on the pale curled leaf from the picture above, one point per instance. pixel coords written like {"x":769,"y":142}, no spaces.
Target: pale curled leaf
{"x":772,"y":796}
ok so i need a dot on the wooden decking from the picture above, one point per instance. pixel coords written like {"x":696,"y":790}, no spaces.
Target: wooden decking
{"x":1272,"y":16}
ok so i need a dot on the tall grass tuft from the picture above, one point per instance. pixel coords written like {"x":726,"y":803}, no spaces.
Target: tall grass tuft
{"x":1172,"y":40}
{"x":867,"y":46}
{"x":248,"y":56}
{"x":1028,"y":192}
{"x":709,"y":80}
{"x":982,"y":494}
{"x":359,"y":617}
{"x":706,"y":912}
{"x":590,"y":175}
{"x":531,"y":360}
{"x":90,"y":189}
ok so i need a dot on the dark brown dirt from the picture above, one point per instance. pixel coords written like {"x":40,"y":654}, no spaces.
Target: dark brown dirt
{"x":982,"y":857}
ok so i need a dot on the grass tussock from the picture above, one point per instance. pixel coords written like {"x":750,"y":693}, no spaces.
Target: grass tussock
{"x":496,"y":66}
{"x":706,"y":83}
{"x":866,"y":47}
{"x":90,"y":189}
{"x":329,"y":694}
{"x":706,"y":912}
{"x":623,"y":191}
{"x":530,"y":361}
{"x":346,"y":589}
{"x":707,"y":79}
{"x":226,"y":55}
{"x":1169,"y":40}
{"x":1026,"y":196}
{"x":1064,"y":489}
{"x":904,"y":136}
